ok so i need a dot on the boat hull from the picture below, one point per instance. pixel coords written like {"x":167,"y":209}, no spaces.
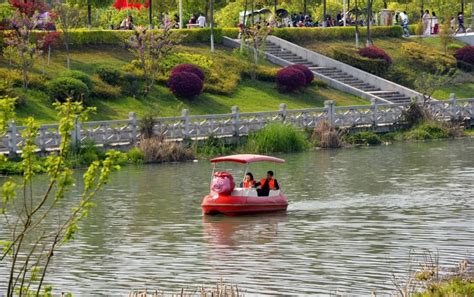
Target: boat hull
{"x":239,"y":205}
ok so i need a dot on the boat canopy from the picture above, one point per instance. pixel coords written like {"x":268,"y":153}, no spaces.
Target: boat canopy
{"x":247,"y":158}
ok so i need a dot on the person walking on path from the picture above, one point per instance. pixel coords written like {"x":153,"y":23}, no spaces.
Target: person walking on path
{"x":427,"y":23}
{"x":461,"y":28}
{"x":404,"y":21}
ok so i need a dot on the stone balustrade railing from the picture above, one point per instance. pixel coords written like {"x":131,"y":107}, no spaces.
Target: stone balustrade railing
{"x":234,"y":124}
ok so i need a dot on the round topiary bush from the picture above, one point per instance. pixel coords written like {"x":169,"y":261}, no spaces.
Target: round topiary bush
{"x":78,"y":75}
{"x":109,"y":75}
{"x":290,"y":79}
{"x":185,"y":84}
{"x":373,"y":52}
{"x":62,"y":88}
{"x":191,"y":68}
{"x":308,"y":74}
{"x":465,"y":57}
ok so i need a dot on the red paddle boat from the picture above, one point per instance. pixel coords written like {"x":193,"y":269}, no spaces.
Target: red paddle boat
{"x":228,"y":199}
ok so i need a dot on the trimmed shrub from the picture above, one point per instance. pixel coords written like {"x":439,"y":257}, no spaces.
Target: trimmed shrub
{"x":109,"y":75}
{"x":427,"y":58}
{"x":373,"y":52}
{"x":290,"y":79}
{"x":62,"y":88}
{"x":191,"y":68}
{"x":465,"y":57}
{"x":277,"y":138}
{"x":131,"y":84}
{"x":264,"y":73}
{"x":308,"y":74}
{"x":103,"y":90}
{"x":78,"y":75}
{"x":185,"y":84}
{"x":351,"y":56}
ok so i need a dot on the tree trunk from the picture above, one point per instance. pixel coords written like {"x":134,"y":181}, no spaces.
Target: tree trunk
{"x":150,"y":13}
{"x":369,"y":22}
{"x":242,"y":35}
{"x":275,"y":7}
{"x":212,"y":25}
{"x":325,"y":24}
{"x":89,"y":15}
{"x":305,"y":6}
{"x":356,"y":25}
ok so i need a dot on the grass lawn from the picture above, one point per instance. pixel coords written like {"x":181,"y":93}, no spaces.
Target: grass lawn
{"x":249,"y":95}
{"x":462,"y":85}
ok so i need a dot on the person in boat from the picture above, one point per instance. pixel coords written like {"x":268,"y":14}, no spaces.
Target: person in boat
{"x":248,"y":181}
{"x":267,"y":184}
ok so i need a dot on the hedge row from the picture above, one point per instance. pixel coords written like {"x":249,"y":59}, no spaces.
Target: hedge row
{"x":352,"y":57}
{"x":310,"y":34}
{"x":115,"y":37}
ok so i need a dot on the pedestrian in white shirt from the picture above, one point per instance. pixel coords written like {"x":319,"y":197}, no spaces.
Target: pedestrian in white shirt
{"x":201,"y":21}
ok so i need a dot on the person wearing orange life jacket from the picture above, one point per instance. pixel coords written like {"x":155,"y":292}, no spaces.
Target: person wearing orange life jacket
{"x":248,"y":181}
{"x":267,"y":184}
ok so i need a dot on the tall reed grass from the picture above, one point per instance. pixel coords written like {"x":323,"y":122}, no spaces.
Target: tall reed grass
{"x":156,"y":150}
{"x":326,"y":136}
{"x":277,"y":138}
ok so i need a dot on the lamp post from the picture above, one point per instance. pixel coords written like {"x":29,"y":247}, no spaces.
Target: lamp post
{"x":180,"y":8}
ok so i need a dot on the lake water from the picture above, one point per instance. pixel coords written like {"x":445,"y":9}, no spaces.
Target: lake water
{"x":354,"y":218}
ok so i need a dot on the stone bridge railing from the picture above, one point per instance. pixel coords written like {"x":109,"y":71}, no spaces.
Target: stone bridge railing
{"x":234,"y":124}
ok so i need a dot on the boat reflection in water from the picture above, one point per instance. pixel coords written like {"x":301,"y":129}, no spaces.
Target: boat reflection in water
{"x":243,"y":230}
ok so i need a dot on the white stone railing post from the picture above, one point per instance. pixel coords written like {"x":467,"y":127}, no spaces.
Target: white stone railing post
{"x":132,"y":118}
{"x":42,"y":140}
{"x":283,"y":112}
{"x":452,"y":99}
{"x":185,"y":119}
{"x":374,"y":109}
{"x":12,"y":139}
{"x":76,"y":133}
{"x":329,"y":106}
{"x":235,"y":120}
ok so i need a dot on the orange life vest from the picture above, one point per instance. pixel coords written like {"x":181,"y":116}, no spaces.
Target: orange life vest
{"x":271,"y":183}
{"x":249,"y":183}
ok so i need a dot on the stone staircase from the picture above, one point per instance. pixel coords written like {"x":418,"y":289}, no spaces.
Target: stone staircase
{"x":380,"y":95}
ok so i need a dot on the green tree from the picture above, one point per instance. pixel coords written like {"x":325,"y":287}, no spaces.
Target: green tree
{"x":27,"y":214}
{"x":149,"y":49}
{"x":68,"y":18}
{"x":91,"y":4}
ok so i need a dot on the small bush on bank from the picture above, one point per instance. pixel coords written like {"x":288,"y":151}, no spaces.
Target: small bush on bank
{"x":373,"y":52}
{"x":213,"y":146}
{"x":352,"y":57}
{"x":191,"y":68}
{"x":78,"y":75}
{"x":427,"y":58}
{"x":290,"y":79}
{"x":109,"y":75}
{"x":185,"y":84}
{"x":276,"y":138}
{"x":136,"y":156}
{"x":427,"y":130}
{"x":308,"y":74}
{"x":364,"y":138}
{"x":62,"y":88}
